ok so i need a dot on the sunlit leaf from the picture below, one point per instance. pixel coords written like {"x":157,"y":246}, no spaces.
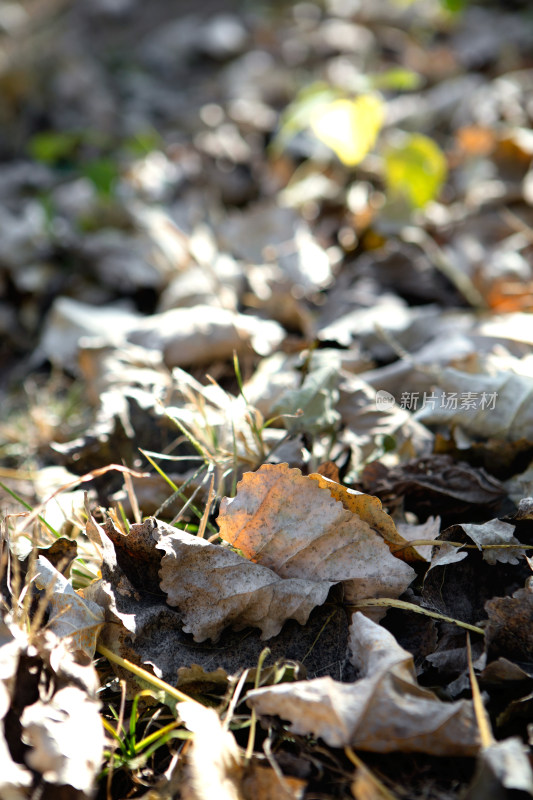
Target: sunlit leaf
{"x":214,"y":588}
{"x":415,"y":169}
{"x":299,"y":527}
{"x":349,"y":127}
{"x":71,"y":617}
{"x":385,"y":710}
{"x":297,"y":115}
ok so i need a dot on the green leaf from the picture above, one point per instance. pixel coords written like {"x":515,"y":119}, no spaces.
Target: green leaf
{"x":454,"y":6}
{"x":397,"y":79}
{"x":415,"y":169}
{"x":143,"y":143}
{"x":312,"y":406}
{"x":103,"y":173}
{"x":49,"y":147}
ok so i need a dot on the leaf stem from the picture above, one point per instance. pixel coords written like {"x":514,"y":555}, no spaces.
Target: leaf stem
{"x":389,"y":602}
{"x":145,"y":675}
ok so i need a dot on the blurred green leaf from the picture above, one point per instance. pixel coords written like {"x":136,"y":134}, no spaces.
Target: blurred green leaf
{"x":143,"y":143}
{"x":454,"y":6}
{"x":396,"y":79}
{"x":50,"y":147}
{"x":451,"y":6}
{"x":103,"y":173}
{"x":415,"y":169}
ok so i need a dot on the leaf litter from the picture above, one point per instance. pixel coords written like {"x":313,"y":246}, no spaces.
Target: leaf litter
{"x":266,"y":293}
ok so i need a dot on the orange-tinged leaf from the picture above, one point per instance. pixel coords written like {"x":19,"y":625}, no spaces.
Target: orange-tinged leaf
{"x":476,"y":140}
{"x":369,"y":508}
{"x":289,"y":523}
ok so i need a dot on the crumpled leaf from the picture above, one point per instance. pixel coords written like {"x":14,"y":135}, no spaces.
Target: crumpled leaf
{"x":136,"y":553}
{"x":214,"y":588}
{"x":435,"y":485}
{"x":292,"y":525}
{"x":66,"y":736}
{"x":502,"y":767}
{"x":495,"y":532}
{"x":369,"y":509}
{"x":509,"y":632}
{"x":499,"y":407}
{"x":145,"y":630}
{"x":71,"y":616}
{"x":384,"y":711}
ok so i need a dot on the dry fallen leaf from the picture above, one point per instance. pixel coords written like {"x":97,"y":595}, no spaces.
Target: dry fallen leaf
{"x":502,"y":767}
{"x":71,"y":617}
{"x":263,"y":783}
{"x":386,"y":710}
{"x":66,"y":737}
{"x":509,"y":632}
{"x":495,"y":532}
{"x":214,"y":588}
{"x":503,"y":411}
{"x":214,"y":763}
{"x":215,"y":766}
{"x":13,"y":777}
{"x":135,"y":553}
{"x":435,"y":485}
{"x":369,"y":509}
{"x":428,"y":530}
{"x":293,"y":525}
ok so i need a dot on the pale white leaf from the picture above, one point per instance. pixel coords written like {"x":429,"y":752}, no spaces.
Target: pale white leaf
{"x":384,"y":711}
{"x":215,"y":588}
{"x":66,"y":737}
{"x":71,"y":616}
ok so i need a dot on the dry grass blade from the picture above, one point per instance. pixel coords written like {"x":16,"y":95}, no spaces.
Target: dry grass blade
{"x":145,"y":675}
{"x":386,"y":602}
{"x":89,"y":476}
{"x":380,"y":787}
{"x":207,"y":509}
{"x":482,"y":719}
